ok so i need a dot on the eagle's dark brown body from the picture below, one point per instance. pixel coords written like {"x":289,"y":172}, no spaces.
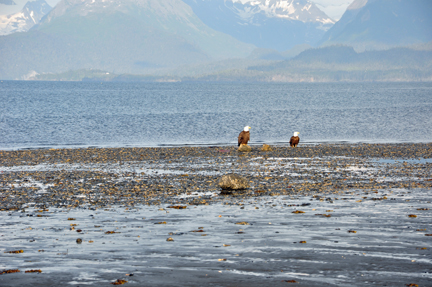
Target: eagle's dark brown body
{"x":294,"y":141}
{"x":243,"y":138}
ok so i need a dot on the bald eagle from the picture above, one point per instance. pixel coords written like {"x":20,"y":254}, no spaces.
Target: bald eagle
{"x":244,"y":136}
{"x":294,"y":139}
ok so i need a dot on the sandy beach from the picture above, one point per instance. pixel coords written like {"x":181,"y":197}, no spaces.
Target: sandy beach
{"x":316,"y":215}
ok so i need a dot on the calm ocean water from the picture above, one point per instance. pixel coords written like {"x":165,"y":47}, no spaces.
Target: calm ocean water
{"x":75,"y":114}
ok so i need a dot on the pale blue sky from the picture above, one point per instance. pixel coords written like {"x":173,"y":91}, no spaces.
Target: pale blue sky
{"x":333,"y":8}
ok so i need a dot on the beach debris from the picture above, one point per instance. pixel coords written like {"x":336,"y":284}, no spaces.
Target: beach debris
{"x":298,"y":211}
{"x":243,"y":223}
{"x":161,"y":222}
{"x":289,"y":281}
{"x":10,"y":271}
{"x":111,"y":232}
{"x":352,"y":231}
{"x":119,"y":282}
{"x":233,"y":182}
{"x":266,"y":147}
{"x":177,"y":206}
{"x":224,"y":259}
{"x":411,"y":285}
{"x":325,"y":215}
{"x":33,"y":271}
{"x":412,"y":215}
{"x":79,"y":241}
{"x":199,"y":230}
{"x":170,"y":239}
{"x":15,"y":251}
{"x":302,"y":242}
{"x":70,"y":218}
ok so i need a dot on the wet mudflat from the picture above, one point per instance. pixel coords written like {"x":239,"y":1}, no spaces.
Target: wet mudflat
{"x":325,"y":215}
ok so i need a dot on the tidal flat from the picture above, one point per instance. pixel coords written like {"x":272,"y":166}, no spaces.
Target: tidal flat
{"x":315,"y":215}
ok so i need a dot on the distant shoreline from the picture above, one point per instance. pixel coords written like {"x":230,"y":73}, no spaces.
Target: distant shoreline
{"x":198,"y":145}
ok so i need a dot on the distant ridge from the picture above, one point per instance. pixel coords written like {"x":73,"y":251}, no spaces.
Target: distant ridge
{"x":382,"y":24}
{"x":328,"y":64}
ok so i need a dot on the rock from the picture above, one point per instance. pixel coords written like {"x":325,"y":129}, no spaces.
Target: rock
{"x":244,"y":148}
{"x":266,"y":147}
{"x":233,"y":182}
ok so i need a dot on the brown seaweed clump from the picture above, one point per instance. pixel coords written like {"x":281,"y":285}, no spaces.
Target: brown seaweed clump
{"x":10,"y":271}
{"x":15,"y":251}
{"x":33,"y":271}
{"x":119,"y":282}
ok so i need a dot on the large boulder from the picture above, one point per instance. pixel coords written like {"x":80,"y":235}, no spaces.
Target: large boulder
{"x":233,"y":182}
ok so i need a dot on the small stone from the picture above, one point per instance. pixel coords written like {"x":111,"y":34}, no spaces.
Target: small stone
{"x":266,"y":147}
{"x":79,"y":241}
{"x":244,"y":148}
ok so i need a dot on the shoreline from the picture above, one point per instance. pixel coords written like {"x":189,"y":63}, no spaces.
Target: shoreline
{"x":325,"y":215}
{"x":96,"y":176}
{"x":231,"y":144}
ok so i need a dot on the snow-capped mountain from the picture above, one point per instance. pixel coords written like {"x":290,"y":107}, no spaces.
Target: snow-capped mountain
{"x":22,"y":21}
{"x":299,"y":10}
{"x":270,"y":24}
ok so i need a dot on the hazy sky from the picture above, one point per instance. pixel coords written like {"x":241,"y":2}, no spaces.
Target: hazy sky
{"x":333,"y":8}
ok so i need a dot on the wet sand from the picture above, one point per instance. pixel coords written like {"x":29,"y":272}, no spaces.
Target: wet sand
{"x":316,"y":215}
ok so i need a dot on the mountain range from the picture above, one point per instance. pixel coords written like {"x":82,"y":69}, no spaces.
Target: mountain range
{"x":271,"y":24}
{"x":122,"y":36}
{"x":195,"y":38}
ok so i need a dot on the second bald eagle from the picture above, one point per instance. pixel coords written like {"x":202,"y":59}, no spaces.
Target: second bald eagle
{"x":244,"y":136}
{"x":294,"y":140}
